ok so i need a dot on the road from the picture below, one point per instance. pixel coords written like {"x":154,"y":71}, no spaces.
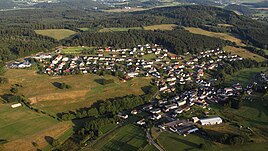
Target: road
{"x":151,"y":140}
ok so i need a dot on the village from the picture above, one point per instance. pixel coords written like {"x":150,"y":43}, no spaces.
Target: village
{"x":166,"y":70}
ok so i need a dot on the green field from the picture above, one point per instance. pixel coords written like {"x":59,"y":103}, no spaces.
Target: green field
{"x":244,"y":76}
{"x":149,"y":56}
{"x":16,"y":123}
{"x":128,"y":138}
{"x":85,"y":89}
{"x":57,"y":34}
{"x":160,"y":27}
{"x":74,"y":50}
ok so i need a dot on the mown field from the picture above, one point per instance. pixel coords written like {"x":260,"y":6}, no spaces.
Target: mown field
{"x":224,"y":36}
{"x":57,"y":34}
{"x":74,"y":50}
{"x":42,"y":93}
{"x":22,"y":126}
{"x":119,"y":29}
{"x":161,"y":27}
{"x":244,"y":53}
{"x":129,"y":137}
{"x":244,"y":76}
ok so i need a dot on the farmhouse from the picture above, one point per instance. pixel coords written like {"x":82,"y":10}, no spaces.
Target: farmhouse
{"x":210,"y":121}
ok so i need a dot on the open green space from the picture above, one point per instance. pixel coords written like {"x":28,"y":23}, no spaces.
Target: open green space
{"x":18,"y":122}
{"x":244,"y":76}
{"x":57,"y":34}
{"x":129,"y":137}
{"x":84,"y":91}
{"x":74,"y":50}
{"x":119,"y":29}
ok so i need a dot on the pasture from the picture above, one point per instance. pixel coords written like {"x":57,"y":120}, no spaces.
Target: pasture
{"x":43,"y":94}
{"x":119,"y":29}
{"x":57,"y":34}
{"x":74,"y":50}
{"x":161,"y":27}
{"x":129,"y":137}
{"x":244,"y":53}
{"x":244,"y":76}
{"x":224,"y":36}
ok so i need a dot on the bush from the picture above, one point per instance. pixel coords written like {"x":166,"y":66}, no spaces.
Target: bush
{"x":3,"y":80}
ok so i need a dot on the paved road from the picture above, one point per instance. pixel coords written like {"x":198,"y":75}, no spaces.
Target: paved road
{"x":151,"y":140}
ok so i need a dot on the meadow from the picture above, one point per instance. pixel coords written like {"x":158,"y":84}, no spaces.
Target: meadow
{"x":57,"y":34}
{"x":129,"y":137}
{"x":74,"y":50}
{"x":119,"y":29}
{"x":22,"y":126}
{"x":160,"y":27}
{"x":224,"y":36}
{"x":244,"y":53}
{"x":42,"y":93}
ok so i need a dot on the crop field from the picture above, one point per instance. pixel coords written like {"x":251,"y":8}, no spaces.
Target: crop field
{"x":244,"y":76}
{"x":129,"y":137}
{"x":57,"y":34}
{"x":224,"y":36}
{"x":161,"y":27}
{"x":244,"y":53}
{"x":84,"y":91}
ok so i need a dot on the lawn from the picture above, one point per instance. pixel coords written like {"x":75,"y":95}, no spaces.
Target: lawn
{"x":244,"y":76}
{"x":41,"y":92}
{"x":119,"y":29}
{"x":129,"y":138}
{"x":224,"y":36}
{"x":161,"y":27}
{"x":149,"y":56}
{"x":244,"y":53}
{"x":57,"y":34}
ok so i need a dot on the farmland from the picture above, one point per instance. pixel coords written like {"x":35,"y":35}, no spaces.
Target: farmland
{"x":74,"y":50}
{"x":17,"y":128}
{"x":85,"y":89}
{"x":244,"y":53}
{"x":129,"y":137}
{"x":57,"y":34}
{"x":224,"y":36}
{"x":160,"y":27}
{"x":119,"y":29}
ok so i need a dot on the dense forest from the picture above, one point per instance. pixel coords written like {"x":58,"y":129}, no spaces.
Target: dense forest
{"x":19,"y":39}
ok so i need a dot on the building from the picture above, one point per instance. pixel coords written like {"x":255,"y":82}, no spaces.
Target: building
{"x":210,"y":121}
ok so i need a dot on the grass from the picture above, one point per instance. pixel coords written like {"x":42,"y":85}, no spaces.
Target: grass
{"x":161,"y":27}
{"x":244,"y":76}
{"x":244,"y":53}
{"x":224,"y":36}
{"x":16,"y":123}
{"x":85,"y":89}
{"x":129,"y":137}
{"x":57,"y":34}
{"x":119,"y":29}
{"x":74,"y":50}
{"x":149,"y":56}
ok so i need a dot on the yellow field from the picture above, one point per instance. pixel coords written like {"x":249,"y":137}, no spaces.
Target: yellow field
{"x":57,"y":34}
{"x":244,"y":53}
{"x":85,"y":90}
{"x":161,"y":27}
{"x":224,"y":36}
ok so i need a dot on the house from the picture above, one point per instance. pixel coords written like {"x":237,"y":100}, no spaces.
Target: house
{"x":141,"y":122}
{"x":210,"y":121}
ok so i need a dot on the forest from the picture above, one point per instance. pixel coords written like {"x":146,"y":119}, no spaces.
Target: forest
{"x":18,"y":38}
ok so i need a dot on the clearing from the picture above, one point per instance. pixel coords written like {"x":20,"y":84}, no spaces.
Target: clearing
{"x":119,"y":29}
{"x":74,"y":50}
{"x":161,"y":27}
{"x":224,"y":36}
{"x":85,"y":89}
{"x":244,"y":53}
{"x":57,"y":34}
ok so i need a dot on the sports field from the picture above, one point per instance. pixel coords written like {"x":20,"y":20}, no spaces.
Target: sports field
{"x":57,"y":34}
{"x":85,"y":89}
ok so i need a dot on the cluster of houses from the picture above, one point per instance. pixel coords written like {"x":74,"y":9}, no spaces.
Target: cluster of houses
{"x":25,"y":63}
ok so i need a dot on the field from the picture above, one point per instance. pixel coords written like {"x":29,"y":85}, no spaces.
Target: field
{"x":119,"y":29}
{"x":244,"y":53}
{"x":118,"y":10}
{"x":129,"y":137}
{"x":85,"y":89}
{"x":73,"y":50}
{"x":21,"y":127}
{"x":57,"y":34}
{"x":160,"y":27}
{"x":244,"y":76}
{"x":224,"y":36}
